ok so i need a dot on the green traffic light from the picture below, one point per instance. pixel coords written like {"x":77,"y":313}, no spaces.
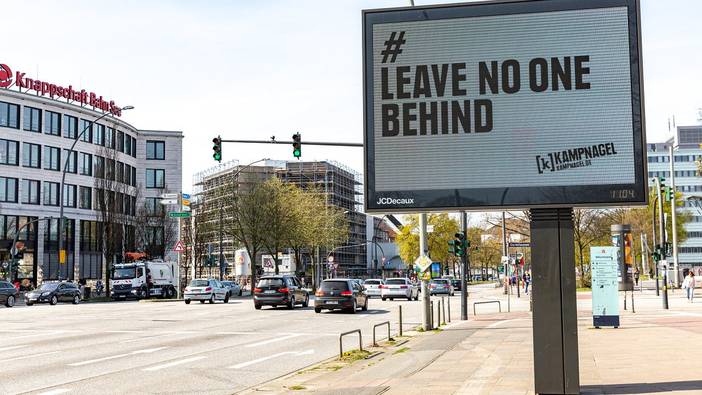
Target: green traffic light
{"x":297,"y":152}
{"x":217,"y":156}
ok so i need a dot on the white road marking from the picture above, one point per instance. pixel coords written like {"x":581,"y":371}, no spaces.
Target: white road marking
{"x":55,"y":392}
{"x":145,"y":351}
{"x":13,"y":347}
{"x":140,"y":339}
{"x":236,"y":333}
{"x":34,"y":355}
{"x":174,"y":363}
{"x":259,"y":360}
{"x":275,"y":340}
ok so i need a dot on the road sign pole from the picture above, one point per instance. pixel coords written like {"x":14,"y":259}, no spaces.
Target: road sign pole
{"x":426,"y":309}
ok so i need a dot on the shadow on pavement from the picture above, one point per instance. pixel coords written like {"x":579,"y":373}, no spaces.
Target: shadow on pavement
{"x":642,"y":388}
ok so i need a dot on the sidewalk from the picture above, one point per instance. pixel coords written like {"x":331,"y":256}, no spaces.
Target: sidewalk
{"x":654,"y":351}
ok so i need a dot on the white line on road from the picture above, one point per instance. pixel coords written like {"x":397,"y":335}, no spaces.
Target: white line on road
{"x":145,"y":351}
{"x":14,"y":347}
{"x":141,"y":338}
{"x":174,"y":363}
{"x":275,"y":340}
{"x":55,"y":392}
{"x":259,"y":360}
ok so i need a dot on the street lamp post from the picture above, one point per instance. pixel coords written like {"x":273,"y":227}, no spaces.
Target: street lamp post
{"x":62,"y":254}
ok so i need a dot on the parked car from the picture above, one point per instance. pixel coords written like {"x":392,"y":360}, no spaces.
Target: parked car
{"x":205,"y":290}
{"x":440,"y":286}
{"x":280,"y":290}
{"x":372,"y":287}
{"x":54,"y":292}
{"x":233,"y":287}
{"x":8,"y":293}
{"x":340,"y":294}
{"x":399,"y":288}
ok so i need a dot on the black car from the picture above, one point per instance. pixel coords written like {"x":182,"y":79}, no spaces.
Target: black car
{"x":340,"y":294}
{"x":280,"y":291}
{"x":8,"y":293}
{"x":456,"y":284}
{"x":53,"y":293}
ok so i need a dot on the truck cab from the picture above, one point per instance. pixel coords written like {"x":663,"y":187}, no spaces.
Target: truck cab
{"x":143,"y":279}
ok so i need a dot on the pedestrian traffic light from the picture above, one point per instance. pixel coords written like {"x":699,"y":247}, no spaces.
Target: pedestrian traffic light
{"x":217,"y":148}
{"x":297,"y":145}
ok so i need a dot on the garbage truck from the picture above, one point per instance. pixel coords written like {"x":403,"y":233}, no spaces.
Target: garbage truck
{"x":143,"y":279}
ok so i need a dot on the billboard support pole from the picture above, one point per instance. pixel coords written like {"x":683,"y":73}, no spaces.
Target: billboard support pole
{"x":555,"y":321}
{"x":426,"y":309}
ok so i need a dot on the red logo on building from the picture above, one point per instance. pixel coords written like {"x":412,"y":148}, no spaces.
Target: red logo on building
{"x":5,"y":76}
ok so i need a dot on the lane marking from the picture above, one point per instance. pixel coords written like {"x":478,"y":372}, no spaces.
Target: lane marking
{"x":274,"y":340}
{"x":13,"y":347}
{"x":140,"y":338}
{"x":174,"y":363}
{"x":280,"y":354}
{"x":145,"y":351}
{"x":55,"y":392}
{"x":34,"y":355}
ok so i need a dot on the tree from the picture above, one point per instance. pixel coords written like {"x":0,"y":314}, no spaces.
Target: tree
{"x":589,"y":226}
{"x":444,"y":230}
{"x":155,"y":231}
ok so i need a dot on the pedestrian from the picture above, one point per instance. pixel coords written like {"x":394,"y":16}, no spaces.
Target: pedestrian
{"x":636,"y":276}
{"x":527,"y":281}
{"x":689,"y":285}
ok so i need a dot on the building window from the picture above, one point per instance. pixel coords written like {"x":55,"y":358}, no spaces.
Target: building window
{"x":9,"y":115}
{"x":30,"y":191}
{"x":155,"y":150}
{"x":86,"y":198}
{"x":110,"y":169}
{"x":134,"y":176}
{"x":127,"y":144}
{"x":98,"y":134}
{"x":9,"y":150}
{"x":119,"y":172}
{"x":86,"y":128}
{"x":153,"y":206}
{"x":120,"y":141}
{"x":86,"y":164}
{"x":134,"y":147}
{"x":32,"y":119}
{"x":127,"y":174}
{"x":72,"y":161}
{"x":8,"y":190}
{"x":99,"y":167}
{"x":52,"y":123}
{"x":51,"y":193}
{"x":70,"y":127}
{"x":52,"y":158}
{"x":110,"y":138}
{"x":69,"y":195}
{"x":31,"y":155}
{"x":155,"y":178}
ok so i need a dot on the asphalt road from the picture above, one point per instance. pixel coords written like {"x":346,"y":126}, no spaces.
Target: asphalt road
{"x":171,"y":347}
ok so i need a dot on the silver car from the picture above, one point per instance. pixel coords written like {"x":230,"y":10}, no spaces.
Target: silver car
{"x":373,"y":286}
{"x":399,"y":288}
{"x":440,"y":286}
{"x":233,"y":288}
{"x":205,"y":290}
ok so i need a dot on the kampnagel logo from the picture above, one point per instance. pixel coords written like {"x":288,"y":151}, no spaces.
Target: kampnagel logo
{"x":5,"y":76}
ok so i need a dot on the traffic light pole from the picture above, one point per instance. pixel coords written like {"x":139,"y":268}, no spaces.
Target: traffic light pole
{"x":661,"y":231}
{"x":655,"y":261}
{"x":426,"y":309}
{"x":676,"y":281}
{"x":274,"y":141}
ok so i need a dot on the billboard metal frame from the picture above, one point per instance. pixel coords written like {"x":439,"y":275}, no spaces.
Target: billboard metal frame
{"x":506,"y":198}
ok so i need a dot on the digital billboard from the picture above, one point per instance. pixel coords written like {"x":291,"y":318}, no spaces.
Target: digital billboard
{"x":503,"y":105}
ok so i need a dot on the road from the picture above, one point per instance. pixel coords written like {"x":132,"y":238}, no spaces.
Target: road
{"x":171,"y":347}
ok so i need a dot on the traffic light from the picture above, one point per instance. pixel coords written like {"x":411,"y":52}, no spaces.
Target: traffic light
{"x":668,"y":193}
{"x":460,"y":244}
{"x":297,"y":145}
{"x":217,"y":148}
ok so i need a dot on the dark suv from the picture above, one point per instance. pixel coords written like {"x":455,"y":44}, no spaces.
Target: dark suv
{"x":8,"y":293}
{"x":53,"y":293}
{"x":280,"y":291}
{"x":340,"y":294}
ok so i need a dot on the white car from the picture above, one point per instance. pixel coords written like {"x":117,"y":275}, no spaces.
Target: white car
{"x":399,"y":288}
{"x":373,"y":286}
{"x":205,"y":290}
{"x":233,"y":287}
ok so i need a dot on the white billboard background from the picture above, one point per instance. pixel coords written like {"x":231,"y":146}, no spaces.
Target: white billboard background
{"x":526,"y":123}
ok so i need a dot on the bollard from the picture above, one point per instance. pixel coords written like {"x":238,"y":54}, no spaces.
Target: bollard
{"x":438,"y":314}
{"x":400,"y":320}
{"x":443,"y":309}
{"x":431,"y":309}
{"x":449,"y":309}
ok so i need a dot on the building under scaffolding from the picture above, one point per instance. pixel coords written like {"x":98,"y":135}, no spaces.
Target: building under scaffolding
{"x":341,"y":186}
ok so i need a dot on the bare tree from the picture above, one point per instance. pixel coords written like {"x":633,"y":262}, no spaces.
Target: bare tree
{"x":155,"y":230}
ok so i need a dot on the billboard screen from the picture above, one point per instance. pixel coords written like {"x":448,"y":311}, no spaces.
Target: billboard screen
{"x":503,"y":105}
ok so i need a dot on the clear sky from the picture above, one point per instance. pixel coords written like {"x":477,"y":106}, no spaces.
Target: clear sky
{"x":253,"y":69}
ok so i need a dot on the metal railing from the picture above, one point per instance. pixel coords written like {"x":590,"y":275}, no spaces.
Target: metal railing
{"x":499,"y":305}
{"x":375,"y":344}
{"x":360,"y":341}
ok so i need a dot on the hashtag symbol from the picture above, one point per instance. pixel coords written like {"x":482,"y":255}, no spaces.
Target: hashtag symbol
{"x":392,"y":47}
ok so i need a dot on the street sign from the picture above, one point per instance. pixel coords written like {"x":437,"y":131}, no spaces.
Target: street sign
{"x":185,"y":208}
{"x":169,"y":196}
{"x":178,"y":215}
{"x":423,"y":262}
{"x":169,"y":201}
{"x":185,"y":195}
{"x":179,"y":247}
{"x":62,"y":257}
{"x":538,"y":115}
{"x":514,"y":244}
{"x":605,"y":292}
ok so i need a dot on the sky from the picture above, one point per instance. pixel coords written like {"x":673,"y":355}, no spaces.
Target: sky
{"x":255,"y":69}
